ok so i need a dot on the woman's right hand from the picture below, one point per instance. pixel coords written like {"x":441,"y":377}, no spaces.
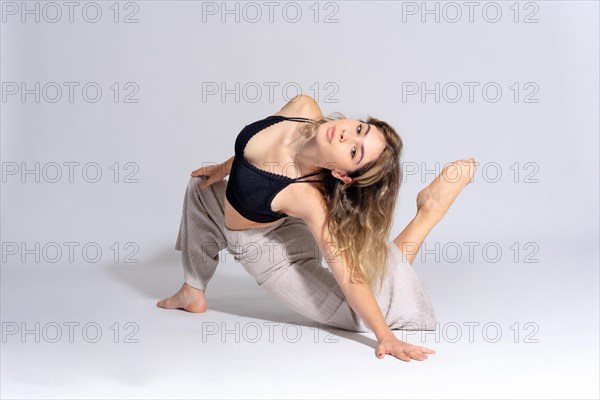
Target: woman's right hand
{"x":214,"y":173}
{"x":401,"y":350}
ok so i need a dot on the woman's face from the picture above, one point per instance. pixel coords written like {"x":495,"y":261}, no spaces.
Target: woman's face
{"x":347,"y":145}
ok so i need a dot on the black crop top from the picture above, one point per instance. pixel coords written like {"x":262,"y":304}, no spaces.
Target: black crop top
{"x":251,"y":190}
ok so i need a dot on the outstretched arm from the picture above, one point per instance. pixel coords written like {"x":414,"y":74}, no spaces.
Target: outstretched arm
{"x":359,"y":296}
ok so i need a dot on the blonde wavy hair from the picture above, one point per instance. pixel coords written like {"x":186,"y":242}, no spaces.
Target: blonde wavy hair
{"x":361,"y":212}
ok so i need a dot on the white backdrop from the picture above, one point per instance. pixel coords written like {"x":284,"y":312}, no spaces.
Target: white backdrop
{"x":108,"y":106}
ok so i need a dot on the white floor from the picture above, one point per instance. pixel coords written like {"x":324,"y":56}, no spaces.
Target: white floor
{"x":147,"y":352}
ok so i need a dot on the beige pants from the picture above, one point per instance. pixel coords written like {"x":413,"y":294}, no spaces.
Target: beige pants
{"x":285,"y":259}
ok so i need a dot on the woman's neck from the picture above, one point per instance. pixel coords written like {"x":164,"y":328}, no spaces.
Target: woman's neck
{"x":304,"y":152}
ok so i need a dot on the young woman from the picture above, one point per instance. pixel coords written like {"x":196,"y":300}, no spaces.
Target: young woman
{"x":278,"y":224}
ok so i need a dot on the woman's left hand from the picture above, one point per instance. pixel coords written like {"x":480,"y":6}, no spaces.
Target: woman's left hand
{"x":213,"y":173}
{"x":402,"y":350}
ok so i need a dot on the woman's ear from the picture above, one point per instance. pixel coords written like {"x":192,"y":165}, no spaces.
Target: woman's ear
{"x":341,"y":175}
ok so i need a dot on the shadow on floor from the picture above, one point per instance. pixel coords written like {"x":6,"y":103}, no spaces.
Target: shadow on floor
{"x":230,"y":291}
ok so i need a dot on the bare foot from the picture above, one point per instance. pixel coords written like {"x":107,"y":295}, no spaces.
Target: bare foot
{"x":435,"y":200}
{"x":187,"y":298}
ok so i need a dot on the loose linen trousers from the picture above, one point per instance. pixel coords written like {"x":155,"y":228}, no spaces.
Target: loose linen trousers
{"x":285,"y":259}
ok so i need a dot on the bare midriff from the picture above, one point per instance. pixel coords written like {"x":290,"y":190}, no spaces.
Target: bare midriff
{"x":234,"y":221}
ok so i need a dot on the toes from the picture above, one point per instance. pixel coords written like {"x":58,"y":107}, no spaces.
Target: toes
{"x":162,"y":303}
{"x":180,"y":303}
{"x":166,"y":303}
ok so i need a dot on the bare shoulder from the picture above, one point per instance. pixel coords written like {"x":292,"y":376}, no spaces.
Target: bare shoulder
{"x":301,"y":106}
